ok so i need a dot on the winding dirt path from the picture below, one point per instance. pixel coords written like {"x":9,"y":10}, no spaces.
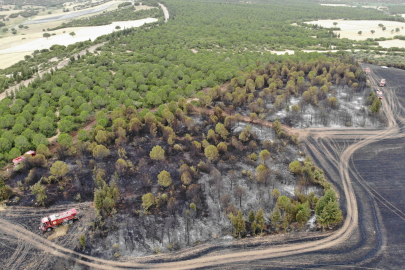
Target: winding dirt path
{"x":165,"y":12}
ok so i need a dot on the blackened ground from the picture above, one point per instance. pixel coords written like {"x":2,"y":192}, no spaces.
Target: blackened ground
{"x":376,"y":173}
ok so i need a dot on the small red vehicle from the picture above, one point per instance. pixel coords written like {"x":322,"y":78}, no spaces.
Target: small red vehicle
{"x":379,"y":94}
{"x":51,"y":222}
{"x":16,"y":161}
{"x":367,"y":71}
{"x":382,"y":82}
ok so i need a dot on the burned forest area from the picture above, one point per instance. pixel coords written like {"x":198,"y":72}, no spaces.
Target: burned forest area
{"x":225,"y":164}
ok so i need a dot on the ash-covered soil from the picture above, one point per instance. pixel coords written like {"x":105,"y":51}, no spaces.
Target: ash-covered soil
{"x":375,"y":169}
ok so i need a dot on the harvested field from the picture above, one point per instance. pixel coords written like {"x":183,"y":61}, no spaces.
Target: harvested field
{"x":350,"y":29}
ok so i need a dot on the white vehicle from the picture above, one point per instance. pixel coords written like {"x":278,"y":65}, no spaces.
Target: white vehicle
{"x":384,"y":67}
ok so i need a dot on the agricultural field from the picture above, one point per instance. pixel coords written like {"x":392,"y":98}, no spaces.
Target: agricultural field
{"x":179,"y":145}
{"x":29,"y":35}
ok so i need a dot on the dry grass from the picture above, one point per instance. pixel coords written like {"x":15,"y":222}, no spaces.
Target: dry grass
{"x":350,"y":29}
{"x":58,"y":232}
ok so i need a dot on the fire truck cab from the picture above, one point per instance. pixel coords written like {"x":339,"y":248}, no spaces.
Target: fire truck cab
{"x":17,"y":160}
{"x":51,"y":222}
{"x":379,"y":94}
{"x":382,"y":82}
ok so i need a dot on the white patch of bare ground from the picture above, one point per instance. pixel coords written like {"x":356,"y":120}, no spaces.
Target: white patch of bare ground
{"x":82,"y":34}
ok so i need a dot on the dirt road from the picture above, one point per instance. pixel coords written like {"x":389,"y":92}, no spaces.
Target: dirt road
{"x":165,"y":12}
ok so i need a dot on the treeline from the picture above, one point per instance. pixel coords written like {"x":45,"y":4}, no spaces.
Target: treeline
{"x":109,"y":17}
{"x":397,"y":9}
{"x":125,"y":4}
{"x":90,"y":4}
{"x":26,"y":13}
{"x":392,"y":60}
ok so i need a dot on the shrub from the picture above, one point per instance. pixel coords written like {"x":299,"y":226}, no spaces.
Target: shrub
{"x":157,"y":153}
{"x":59,"y":169}
{"x":211,"y":152}
{"x":147,"y":201}
{"x":43,"y":150}
{"x":39,"y":191}
{"x":82,"y":240}
{"x":295,"y":167}
{"x":5,"y":191}
{"x":38,"y":161}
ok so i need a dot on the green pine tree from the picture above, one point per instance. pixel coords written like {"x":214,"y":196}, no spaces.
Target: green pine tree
{"x":239,"y":223}
{"x":275,"y":217}
{"x":254,"y":227}
{"x":260,"y":220}
{"x":375,"y":108}
{"x":251,"y":216}
{"x":330,"y":215}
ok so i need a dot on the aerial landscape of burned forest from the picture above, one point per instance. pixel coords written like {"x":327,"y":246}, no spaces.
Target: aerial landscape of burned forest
{"x":192,"y":135}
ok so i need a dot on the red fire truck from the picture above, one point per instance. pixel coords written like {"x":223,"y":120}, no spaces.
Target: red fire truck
{"x":367,"y":71}
{"x":16,"y":161}
{"x":382,"y":82}
{"x":379,"y":94}
{"x":51,"y":222}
